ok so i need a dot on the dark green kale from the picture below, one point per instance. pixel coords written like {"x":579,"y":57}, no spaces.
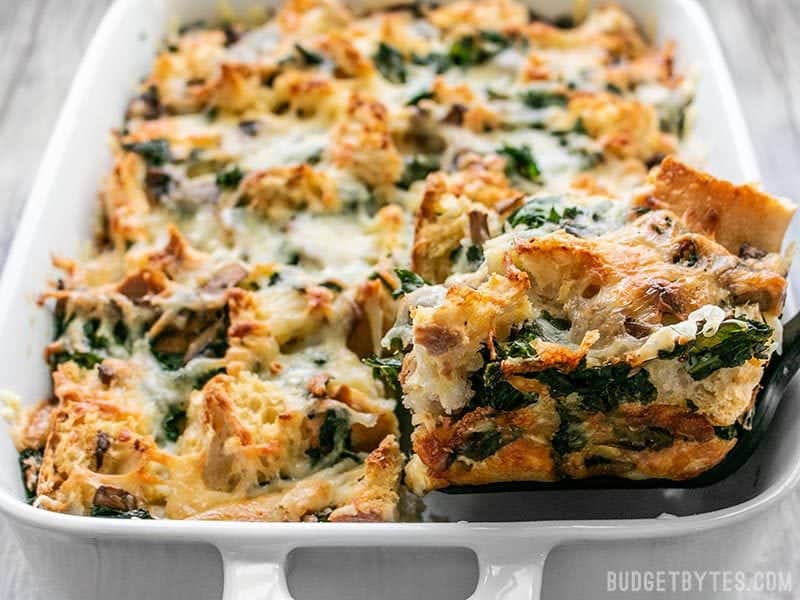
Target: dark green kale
{"x":543,"y":98}
{"x":60,"y":323}
{"x":332,"y":286}
{"x":418,"y":168}
{"x":439,"y":61}
{"x":229,"y":178}
{"x":673,"y":119}
{"x":728,"y":432}
{"x":480,"y":445}
{"x":564,"y":21}
{"x":85,"y":360}
{"x":490,"y":385}
{"x":476,"y":49}
{"x":387,"y":371}
{"x":419,"y":96}
{"x":334,"y":440}
{"x":114,"y":513}
{"x":204,"y":378}
{"x":557,"y":322}
{"x":734,"y":343}
{"x":520,"y":342}
{"x":492,"y":389}
{"x":579,"y":127}
{"x":538,"y":211}
{"x":409,"y":281}
{"x":474,"y":254}
{"x":600,"y":388}
{"x":520,"y":162}
{"x":154,"y":152}
{"x":391,"y":63}
{"x":174,"y":423}
{"x":569,"y":437}
{"x":30,"y":460}
{"x":172,"y":361}
{"x":308,"y":58}
{"x":120,"y":332}
{"x":95,"y":341}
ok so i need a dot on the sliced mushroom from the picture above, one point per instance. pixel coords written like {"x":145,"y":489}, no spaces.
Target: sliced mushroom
{"x":100,"y":448}
{"x":478,"y":227}
{"x":199,"y":343}
{"x":225,"y":277}
{"x":115,"y":498}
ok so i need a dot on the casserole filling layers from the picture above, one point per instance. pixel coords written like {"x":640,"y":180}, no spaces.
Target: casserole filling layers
{"x":598,"y":337}
{"x":316,"y":215}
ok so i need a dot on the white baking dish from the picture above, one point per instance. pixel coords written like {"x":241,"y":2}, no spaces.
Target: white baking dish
{"x":511,"y":536}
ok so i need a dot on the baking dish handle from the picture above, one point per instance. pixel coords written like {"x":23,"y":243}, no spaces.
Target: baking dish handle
{"x":254,"y":575}
{"x":511,"y":569}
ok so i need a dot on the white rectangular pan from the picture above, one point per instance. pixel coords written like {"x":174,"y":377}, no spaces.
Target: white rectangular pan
{"x":511,"y":536}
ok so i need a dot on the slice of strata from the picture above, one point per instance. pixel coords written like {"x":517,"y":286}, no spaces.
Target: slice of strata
{"x":599,"y":336}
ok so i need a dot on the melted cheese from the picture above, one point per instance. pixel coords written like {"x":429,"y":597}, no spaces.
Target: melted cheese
{"x":268,"y":180}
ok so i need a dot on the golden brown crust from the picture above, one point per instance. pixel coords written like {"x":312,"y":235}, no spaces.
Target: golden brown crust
{"x":733,"y":215}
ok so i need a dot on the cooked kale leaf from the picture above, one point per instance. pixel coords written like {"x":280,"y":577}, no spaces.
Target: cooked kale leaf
{"x":96,"y":342}
{"x":538,"y":211}
{"x":438,"y":60}
{"x":735,"y":342}
{"x":492,"y":389}
{"x":419,"y":96}
{"x":480,"y":445}
{"x":570,"y":436}
{"x":334,"y":440}
{"x":409,"y":281}
{"x":727,"y":432}
{"x":85,"y":360}
{"x":154,"y":152}
{"x":557,"y":322}
{"x":229,"y":178}
{"x":418,"y":168}
{"x":543,"y":98}
{"x":520,"y":162}
{"x":387,"y":371}
{"x":600,"y":388}
{"x":476,"y":49}
{"x":172,"y":361}
{"x":113,"y":513}
{"x":308,"y":58}
{"x":174,"y":423}
{"x":391,"y":63}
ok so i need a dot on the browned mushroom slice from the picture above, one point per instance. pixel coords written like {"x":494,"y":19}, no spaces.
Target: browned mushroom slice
{"x":189,"y":335}
{"x":225,"y":277}
{"x":114,"y":498}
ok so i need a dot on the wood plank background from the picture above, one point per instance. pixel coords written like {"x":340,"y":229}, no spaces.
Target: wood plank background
{"x":41,"y":43}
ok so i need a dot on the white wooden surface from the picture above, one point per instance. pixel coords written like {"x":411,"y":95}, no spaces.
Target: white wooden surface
{"x":41,"y":43}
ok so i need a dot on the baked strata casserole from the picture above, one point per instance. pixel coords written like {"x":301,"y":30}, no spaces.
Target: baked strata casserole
{"x":465,"y":209}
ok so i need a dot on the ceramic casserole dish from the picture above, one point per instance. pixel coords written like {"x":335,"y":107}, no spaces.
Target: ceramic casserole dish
{"x":511,"y":534}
